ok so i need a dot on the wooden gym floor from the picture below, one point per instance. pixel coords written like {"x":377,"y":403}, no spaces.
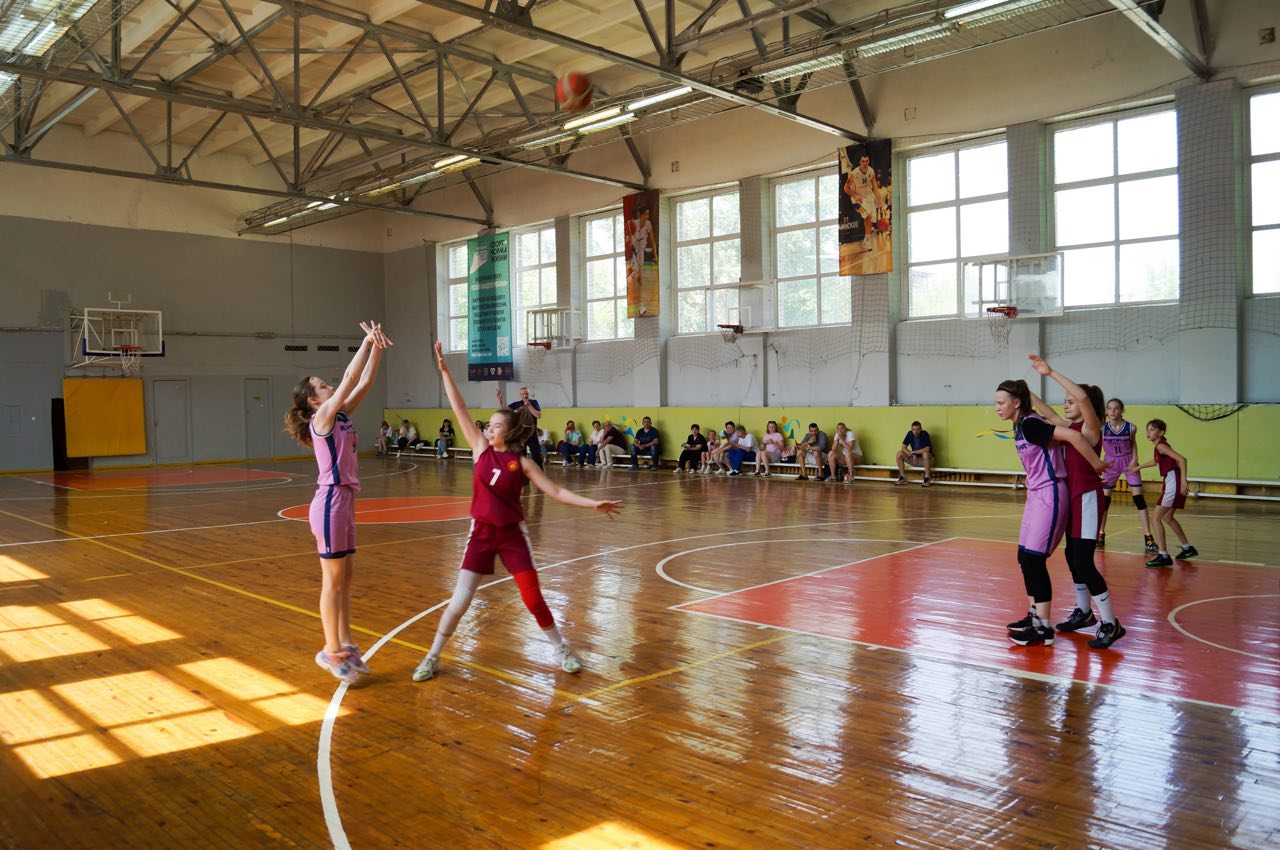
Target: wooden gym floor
{"x":768,"y":664}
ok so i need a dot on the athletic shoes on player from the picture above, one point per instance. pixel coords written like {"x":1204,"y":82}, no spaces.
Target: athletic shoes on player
{"x":1149,"y":544}
{"x":1077,"y":621}
{"x":1160,"y":560}
{"x":355,"y":659}
{"x":1019,"y":625}
{"x":564,"y":657}
{"x":1187,"y":552}
{"x":426,"y":669}
{"x":1033,"y":636}
{"x":336,"y":665}
{"x":1108,"y":633}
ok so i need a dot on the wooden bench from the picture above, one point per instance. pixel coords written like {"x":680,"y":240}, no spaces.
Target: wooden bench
{"x":1196,"y":489}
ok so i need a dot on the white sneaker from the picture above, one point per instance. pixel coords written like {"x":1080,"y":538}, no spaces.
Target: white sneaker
{"x":564,"y":657}
{"x":426,"y":669}
{"x":675,"y":471}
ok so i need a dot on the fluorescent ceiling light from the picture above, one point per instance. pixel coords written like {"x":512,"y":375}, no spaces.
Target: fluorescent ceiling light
{"x":604,"y":125}
{"x":680,"y":106}
{"x":327,"y":206}
{"x":546,"y":140}
{"x":422,"y":178}
{"x":806,"y":67}
{"x":985,"y":13}
{"x":313,"y":205}
{"x":906,"y":39}
{"x":450,"y":160}
{"x":382,"y":190}
{"x":966,"y":8}
{"x":593,"y":117}
{"x":281,"y":220}
{"x":660,"y":97}
{"x":459,"y":165}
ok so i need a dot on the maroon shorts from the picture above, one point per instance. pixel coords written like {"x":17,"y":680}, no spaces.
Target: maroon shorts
{"x":510,"y":542}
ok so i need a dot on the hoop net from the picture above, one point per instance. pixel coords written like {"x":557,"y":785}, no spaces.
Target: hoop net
{"x":130,"y":357}
{"x":1000,"y":323}
{"x":537,"y":350}
{"x":729,"y":333}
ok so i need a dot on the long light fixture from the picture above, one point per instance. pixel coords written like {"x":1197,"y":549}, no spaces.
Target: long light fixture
{"x":985,"y":12}
{"x":546,"y":140}
{"x":592,"y":118}
{"x":806,"y":67}
{"x":456,"y":164}
{"x":966,"y":8}
{"x":281,"y":220}
{"x":450,"y":160}
{"x":660,"y":97}
{"x":906,"y":39}
{"x":624,"y":118}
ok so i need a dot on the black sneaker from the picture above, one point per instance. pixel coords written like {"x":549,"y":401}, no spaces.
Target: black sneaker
{"x":1187,"y":552}
{"x":1108,"y":633}
{"x":1077,"y":621}
{"x":1034,"y":636}
{"x":926,"y":482}
{"x":1149,"y":544}
{"x":1102,"y":541}
{"x":902,"y":479}
{"x":1160,"y":561}
{"x":1019,"y":625}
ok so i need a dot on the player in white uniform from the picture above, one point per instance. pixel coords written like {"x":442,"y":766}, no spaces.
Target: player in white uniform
{"x":863,"y":188}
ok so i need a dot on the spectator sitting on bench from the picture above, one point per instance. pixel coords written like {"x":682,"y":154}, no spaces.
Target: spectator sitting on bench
{"x":571,"y":447}
{"x":444,"y":440}
{"x":844,"y":451}
{"x":408,"y":435}
{"x":544,"y":442}
{"x":743,"y":449}
{"x":612,"y":445}
{"x":645,"y":443}
{"x":720,"y":457}
{"x":591,"y":449}
{"x":692,"y":451}
{"x":713,"y":446}
{"x":813,"y":448}
{"x":773,"y":444}
{"x":917,"y":451}
{"x":386,"y":434}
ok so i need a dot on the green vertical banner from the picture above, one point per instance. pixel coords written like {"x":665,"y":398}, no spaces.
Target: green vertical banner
{"x":489,"y":309}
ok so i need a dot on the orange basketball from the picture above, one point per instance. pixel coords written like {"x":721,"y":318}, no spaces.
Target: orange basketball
{"x":573,"y":91}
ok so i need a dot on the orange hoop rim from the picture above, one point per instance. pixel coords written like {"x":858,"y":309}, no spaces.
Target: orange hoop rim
{"x":1007,"y":310}
{"x":544,"y":344}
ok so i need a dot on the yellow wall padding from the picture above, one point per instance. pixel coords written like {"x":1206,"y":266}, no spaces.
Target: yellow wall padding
{"x":105,"y":416}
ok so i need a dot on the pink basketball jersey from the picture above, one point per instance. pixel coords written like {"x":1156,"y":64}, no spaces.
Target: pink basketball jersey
{"x":336,"y":453}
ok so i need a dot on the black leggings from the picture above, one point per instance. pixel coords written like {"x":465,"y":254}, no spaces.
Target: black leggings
{"x":693,"y":457}
{"x":1083,"y":570}
{"x":1035,"y":576}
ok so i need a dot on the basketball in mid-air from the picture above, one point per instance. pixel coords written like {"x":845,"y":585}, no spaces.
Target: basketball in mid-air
{"x":573,"y":91}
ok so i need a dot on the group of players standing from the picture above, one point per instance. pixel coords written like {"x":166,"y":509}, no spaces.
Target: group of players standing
{"x":1067,"y":497}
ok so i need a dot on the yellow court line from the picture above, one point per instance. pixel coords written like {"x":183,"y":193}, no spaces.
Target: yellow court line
{"x":682,"y":668}
{"x":276,"y":602}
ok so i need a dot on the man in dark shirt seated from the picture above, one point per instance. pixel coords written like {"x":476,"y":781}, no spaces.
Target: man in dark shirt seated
{"x":645,"y":443}
{"x":917,"y":451}
{"x":813,"y":448}
{"x":612,"y":445}
{"x":691,"y":451}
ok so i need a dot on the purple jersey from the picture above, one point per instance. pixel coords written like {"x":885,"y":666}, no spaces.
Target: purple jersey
{"x":1045,"y":464}
{"x":336,"y":453}
{"x":1118,"y":445}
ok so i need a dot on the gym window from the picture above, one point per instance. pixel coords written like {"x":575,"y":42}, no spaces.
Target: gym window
{"x":1264,"y":182}
{"x":534,"y":274}
{"x":603,"y":250}
{"x":807,"y":252}
{"x":1115,"y":208}
{"x":456,"y":295}
{"x":708,"y":260}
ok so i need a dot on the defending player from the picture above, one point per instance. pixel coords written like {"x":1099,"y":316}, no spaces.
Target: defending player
{"x":1173,"y":495}
{"x":1044,"y":519}
{"x":1083,"y":409}
{"x":1119,"y":443}
{"x":497,"y":523}
{"x":320,"y":419}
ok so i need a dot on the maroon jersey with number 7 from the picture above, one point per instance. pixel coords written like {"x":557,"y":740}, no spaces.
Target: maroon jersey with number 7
{"x":499,"y":480}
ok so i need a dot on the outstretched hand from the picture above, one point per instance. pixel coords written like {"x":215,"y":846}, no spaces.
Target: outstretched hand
{"x":1037,"y":363}
{"x":375,"y":335}
{"x":609,"y":508}
{"x":440,"y":364}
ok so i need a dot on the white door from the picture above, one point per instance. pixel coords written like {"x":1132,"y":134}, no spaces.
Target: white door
{"x":258,"y":418}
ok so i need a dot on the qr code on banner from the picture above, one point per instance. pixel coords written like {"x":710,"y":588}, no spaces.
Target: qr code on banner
{"x":504,"y":346}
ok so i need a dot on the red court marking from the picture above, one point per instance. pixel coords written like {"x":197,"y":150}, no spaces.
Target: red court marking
{"x":129,"y":479}
{"x":398,"y":509}
{"x":952,"y":599}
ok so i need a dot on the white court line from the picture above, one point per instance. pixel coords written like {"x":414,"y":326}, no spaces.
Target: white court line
{"x":661,"y":571}
{"x":1199,"y":558}
{"x":138,"y":533}
{"x":1173,"y":621}
{"x":328,"y":801}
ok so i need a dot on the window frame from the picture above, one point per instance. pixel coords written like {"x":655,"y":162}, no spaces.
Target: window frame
{"x":449,"y":283}
{"x":1115,"y":180}
{"x":817,"y":226}
{"x":619,"y":255}
{"x":710,"y":319}
{"x":1250,"y":160}
{"x":520,"y":310}
{"x":960,"y":260}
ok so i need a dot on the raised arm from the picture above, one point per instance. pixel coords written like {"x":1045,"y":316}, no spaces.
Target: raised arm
{"x":1092,"y":426}
{"x":370,"y":372}
{"x":323,"y":418}
{"x":1078,"y":441}
{"x":465,"y":424}
{"x":1046,"y":410}
{"x":566,"y":497}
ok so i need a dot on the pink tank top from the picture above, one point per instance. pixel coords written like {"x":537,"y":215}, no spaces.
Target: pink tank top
{"x":1045,"y":465}
{"x":1118,"y":445}
{"x":336,"y":453}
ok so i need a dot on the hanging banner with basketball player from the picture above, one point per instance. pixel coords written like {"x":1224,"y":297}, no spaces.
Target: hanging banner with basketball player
{"x":640,"y":229}
{"x":866,"y":224}
{"x":489,"y":309}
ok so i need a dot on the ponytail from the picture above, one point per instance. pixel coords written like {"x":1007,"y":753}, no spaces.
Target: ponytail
{"x":297,"y":419}
{"x":1094,"y":394}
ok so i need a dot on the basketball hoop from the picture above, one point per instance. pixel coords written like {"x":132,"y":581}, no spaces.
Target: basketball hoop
{"x":1000,"y":322}
{"x":537,"y":349}
{"x":730,"y":333}
{"x":130,"y":357}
